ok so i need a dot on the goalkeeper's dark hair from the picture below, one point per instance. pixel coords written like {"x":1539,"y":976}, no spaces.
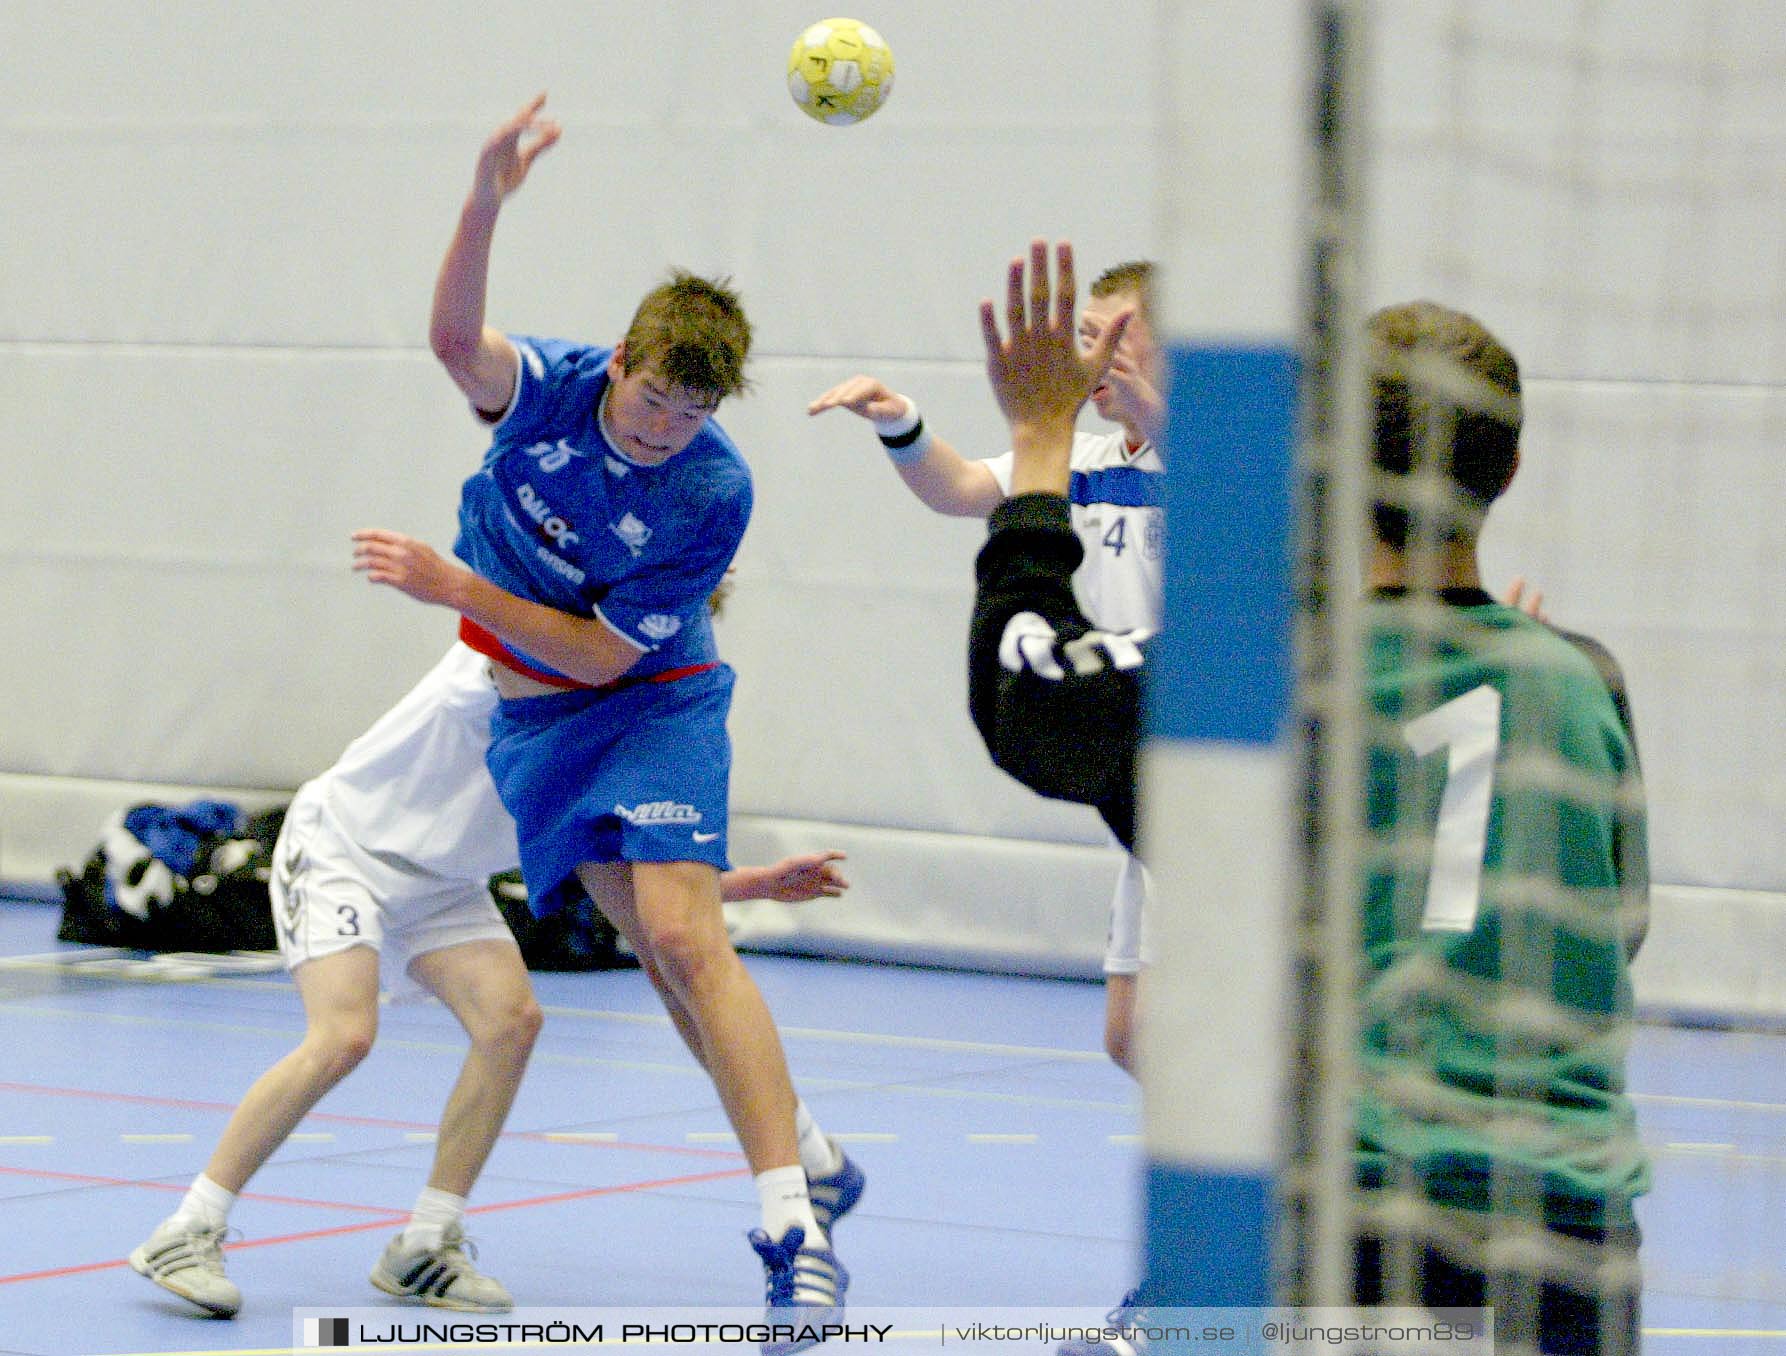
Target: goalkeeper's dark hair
{"x":1446,"y":397}
{"x":695,"y":331}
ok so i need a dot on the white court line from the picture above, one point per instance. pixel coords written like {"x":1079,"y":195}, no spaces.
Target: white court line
{"x":310,"y":1137}
{"x":711,"y":1137}
{"x":26,"y":1139}
{"x":420,"y":1136}
{"x":582,"y":1136}
{"x":1004,"y":1139}
{"x":1664,"y":1099}
{"x":681,"y":1069}
{"x":859,"y":1037}
{"x":155,"y":1139}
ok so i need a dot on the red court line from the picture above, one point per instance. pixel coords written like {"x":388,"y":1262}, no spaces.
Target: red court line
{"x":366,"y":1226}
{"x":180,"y":1187}
{"x":186,"y":1104}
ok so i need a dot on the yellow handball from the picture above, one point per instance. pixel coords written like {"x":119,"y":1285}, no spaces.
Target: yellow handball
{"x":840,"y":71}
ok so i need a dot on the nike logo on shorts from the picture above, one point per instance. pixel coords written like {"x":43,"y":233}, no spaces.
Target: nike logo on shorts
{"x":704,"y":837}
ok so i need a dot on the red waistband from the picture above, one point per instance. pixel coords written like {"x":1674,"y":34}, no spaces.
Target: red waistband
{"x":490,"y":645}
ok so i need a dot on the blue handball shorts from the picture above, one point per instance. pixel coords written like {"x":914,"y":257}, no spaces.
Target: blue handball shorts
{"x":634,"y":775}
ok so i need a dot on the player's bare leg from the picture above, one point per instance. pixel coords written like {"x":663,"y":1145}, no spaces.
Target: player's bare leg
{"x":834,"y":1182}
{"x":1121,"y":994}
{"x":671,"y":913}
{"x":340,"y":995}
{"x":485,"y":985}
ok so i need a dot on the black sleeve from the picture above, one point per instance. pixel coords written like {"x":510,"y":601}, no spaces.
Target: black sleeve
{"x":1610,"y":674}
{"x":1061,"y":709}
{"x":1630,"y":828}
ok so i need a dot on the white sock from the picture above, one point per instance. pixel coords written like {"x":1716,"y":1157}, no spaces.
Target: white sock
{"x":818,"y":1155}
{"x":435,"y":1212}
{"x":205,"y":1204}
{"x":786,"y":1204}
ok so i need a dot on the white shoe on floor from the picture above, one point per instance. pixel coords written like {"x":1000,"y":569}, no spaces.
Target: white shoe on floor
{"x":442,"y":1276}
{"x":187,"y":1259}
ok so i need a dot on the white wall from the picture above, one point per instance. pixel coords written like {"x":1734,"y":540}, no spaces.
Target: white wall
{"x":1605,"y":186}
{"x":220,"y":227}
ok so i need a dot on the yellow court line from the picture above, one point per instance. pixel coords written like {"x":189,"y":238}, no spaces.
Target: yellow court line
{"x":904,"y":1335}
{"x":897,"y":1335}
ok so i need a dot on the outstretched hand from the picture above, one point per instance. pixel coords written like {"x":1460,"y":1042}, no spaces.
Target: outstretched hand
{"x":794,"y":880}
{"x":511,"y":150}
{"x":407,"y":565}
{"x":1039,"y":375}
{"x":866,"y":396}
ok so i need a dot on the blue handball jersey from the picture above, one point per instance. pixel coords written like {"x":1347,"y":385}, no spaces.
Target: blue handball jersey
{"x":558,"y":516}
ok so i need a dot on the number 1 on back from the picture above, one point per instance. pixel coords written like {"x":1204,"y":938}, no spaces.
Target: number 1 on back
{"x":1469,"y":729}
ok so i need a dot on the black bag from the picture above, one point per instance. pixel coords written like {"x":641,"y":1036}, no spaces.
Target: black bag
{"x":197,"y":883}
{"x":576,"y":937}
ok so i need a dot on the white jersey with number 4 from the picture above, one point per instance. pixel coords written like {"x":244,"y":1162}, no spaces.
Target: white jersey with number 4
{"x":1118,"y":499}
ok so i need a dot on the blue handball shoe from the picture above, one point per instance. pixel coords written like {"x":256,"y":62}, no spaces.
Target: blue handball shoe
{"x":803,"y":1288}
{"x":1126,"y":1313}
{"x":835,"y":1196}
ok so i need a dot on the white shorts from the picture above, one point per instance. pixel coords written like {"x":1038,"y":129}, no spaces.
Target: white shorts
{"x":394,"y":846}
{"x":1127,"y":950}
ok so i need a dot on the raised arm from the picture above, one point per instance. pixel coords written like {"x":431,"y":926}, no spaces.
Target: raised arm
{"x":1039,"y":375}
{"x":1056,"y":700}
{"x":943,"y":479}
{"x":481,"y":360}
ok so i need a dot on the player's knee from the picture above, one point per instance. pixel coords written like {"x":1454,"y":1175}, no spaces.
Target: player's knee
{"x":682,"y":951}
{"x":518,"y":1025}
{"x":342,"y":1045}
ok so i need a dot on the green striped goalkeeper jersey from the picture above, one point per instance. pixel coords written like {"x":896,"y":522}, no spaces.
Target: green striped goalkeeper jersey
{"x":1507,"y":875}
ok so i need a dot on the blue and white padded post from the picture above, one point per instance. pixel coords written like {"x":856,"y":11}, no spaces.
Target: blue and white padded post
{"x":1218,"y":773}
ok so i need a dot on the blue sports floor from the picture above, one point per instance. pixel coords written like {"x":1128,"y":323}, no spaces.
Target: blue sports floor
{"x":1002,"y":1152}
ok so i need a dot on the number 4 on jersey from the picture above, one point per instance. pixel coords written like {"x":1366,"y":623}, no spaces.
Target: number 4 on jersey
{"x":1469,"y":729}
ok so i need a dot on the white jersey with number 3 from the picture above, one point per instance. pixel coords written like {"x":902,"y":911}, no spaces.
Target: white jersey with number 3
{"x":1118,"y":500}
